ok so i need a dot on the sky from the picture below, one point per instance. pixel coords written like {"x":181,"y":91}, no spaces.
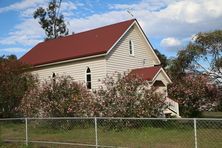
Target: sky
{"x":169,"y":24}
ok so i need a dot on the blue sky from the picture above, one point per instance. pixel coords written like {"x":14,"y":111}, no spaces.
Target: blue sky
{"x":169,"y":24}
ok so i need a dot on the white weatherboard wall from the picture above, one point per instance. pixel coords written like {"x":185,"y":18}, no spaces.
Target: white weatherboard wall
{"x":76,"y":70}
{"x":161,"y":76}
{"x":119,"y":60}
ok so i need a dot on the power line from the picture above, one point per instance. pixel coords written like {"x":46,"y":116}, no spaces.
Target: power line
{"x":59,"y":5}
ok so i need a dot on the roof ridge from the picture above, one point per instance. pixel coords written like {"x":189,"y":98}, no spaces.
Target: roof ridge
{"x":71,"y":35}
{"x":105,"y":26}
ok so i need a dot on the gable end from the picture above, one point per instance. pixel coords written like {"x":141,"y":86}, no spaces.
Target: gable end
{"x":143,"y":35}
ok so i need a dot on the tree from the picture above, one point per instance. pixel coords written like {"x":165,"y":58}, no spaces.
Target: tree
{"x":198,"y":66}
{"x":14,"y":83}
{"x":194,"y":94}
{"x":50,"y":20}
{"x":163,"y":59}
{"x":202,"y":55}
{"x":175,"y":69}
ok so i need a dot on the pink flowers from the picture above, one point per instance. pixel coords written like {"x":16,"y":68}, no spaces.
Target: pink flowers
{"x":126,"y":96}
{"x":69,"y":110}
{"x":194,"y":93}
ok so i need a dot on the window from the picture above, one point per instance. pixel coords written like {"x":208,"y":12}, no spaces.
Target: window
{"x":53,"y":79}
{"x":131,"y":48}
{"x":88,"y":78}
{"x":53,"y":75}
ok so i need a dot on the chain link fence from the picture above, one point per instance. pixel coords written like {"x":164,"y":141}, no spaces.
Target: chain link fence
{"x":112,"y":132}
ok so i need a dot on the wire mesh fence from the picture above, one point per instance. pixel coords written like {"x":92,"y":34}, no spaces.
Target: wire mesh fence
{"x":113,"y":132}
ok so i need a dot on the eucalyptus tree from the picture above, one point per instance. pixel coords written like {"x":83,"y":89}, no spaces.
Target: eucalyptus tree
{"x":51,"y":21}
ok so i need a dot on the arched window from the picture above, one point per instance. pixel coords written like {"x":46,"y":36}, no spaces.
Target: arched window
{"x":88,"y":78}
{"x":53,"y":75}
{"x":53,"y":78}
{"x":131,"y":48}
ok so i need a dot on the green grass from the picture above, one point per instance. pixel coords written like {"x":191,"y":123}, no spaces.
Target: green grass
{"x":147,"y":137}
{"x":212,"y":114}
{"x":174,"y":136}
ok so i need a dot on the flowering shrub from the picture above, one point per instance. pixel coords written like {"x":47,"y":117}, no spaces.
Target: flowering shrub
{"x":128,"y":96}
{"x":194,"y":94}
{"x":60,"y":97}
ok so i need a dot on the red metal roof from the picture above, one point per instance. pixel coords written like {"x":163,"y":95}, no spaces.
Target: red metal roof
{"x":147,"y":73}
{"x":88,"y":43}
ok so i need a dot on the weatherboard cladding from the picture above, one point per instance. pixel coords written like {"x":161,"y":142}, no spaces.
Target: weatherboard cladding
{"x":75,"y":69}
{"x":119,"y":59}
{"x":88,"y":43}
{"x":161,"y":76}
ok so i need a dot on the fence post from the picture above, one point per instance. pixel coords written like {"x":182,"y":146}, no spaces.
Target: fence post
{"x":26,"y":132}
{"x":195,"y":131}
{"x":96,"y":136}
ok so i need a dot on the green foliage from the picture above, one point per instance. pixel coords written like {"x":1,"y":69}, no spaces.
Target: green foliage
{"x":202,"y":55}
{"x":175,"y":70}
{"x":194,"y":94}
{"x":14,"y":83}
{"x":163,"y":59}
{"x":49,"y":20}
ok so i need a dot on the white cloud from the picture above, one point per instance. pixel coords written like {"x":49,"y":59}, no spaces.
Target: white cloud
{"x":170,"y":42}
{"x":190,"y":11}
{"x":172,"y":21}
{"x":68,"y":7}
{"x":160,"y":18}
{"x":23,"y":5}
{"x":13,"y":50}
{"x":27,"y":7}
{"x":151,"y":5}
{"x":28,"y":12}
{"x":180,"y":19}
{"x":27,"y":33}
{"x":97,"y":20}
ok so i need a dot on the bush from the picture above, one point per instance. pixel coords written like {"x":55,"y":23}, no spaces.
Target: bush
{"x":128,"y":96}
{"x":14,"y":83}
{"x":60,"y":97}
{"x":195,"y":94}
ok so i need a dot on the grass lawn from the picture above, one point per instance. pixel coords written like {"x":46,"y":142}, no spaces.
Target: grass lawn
{"x":144,"y":137}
